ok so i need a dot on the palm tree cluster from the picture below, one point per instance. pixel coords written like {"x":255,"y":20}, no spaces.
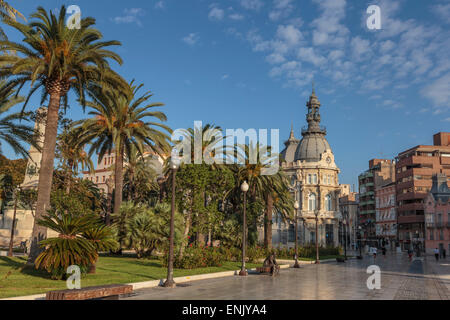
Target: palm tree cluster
{"x":123,"y":121}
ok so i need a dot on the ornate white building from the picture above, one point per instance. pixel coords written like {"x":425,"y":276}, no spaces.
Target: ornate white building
{"x":313,"y":174}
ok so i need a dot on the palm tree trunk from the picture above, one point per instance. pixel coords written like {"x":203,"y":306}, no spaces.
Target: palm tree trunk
{"x":69,"y":176}
{"x":268,"y":222}
{"x":118,"y":176}
{"x":45,"y":174}
{"x":187,"y":226}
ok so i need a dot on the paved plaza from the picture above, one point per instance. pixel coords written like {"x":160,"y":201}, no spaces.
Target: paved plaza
{"x":400,"y":280}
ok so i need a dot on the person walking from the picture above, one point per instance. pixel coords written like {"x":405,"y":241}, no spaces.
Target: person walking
{"x":374,"y":250}
{"x":383,"y":251}
{"x":436,"y":254}
{"x":410,"y":254}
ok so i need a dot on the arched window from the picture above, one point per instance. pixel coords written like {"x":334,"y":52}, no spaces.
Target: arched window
{"x":328,"y":205}
{"x":312,"y":202}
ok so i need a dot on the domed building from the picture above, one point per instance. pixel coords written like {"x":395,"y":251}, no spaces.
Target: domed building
{"x":313,"y":177}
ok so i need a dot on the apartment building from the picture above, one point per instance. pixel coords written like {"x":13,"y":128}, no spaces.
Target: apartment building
{"x":386,"y":215}
{"x":414,"y":169}
{"x":380,"y":173}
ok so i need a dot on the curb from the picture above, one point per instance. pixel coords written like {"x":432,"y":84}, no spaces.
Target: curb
{"x":157,"y":283}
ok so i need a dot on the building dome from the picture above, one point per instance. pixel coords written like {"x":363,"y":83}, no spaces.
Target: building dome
{"x":311,"y":147}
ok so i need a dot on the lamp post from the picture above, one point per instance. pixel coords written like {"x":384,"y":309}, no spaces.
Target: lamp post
{"x":360,"y":253}
{"x":13,"y":224}
{"x":244,"y":189}
{"x":316,"y":213}
{"x":169,"y":283}
{"x":345,"y":239}
{"x":296,"y":206}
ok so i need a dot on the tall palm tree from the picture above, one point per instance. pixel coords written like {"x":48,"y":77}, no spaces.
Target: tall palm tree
{"x":266,"y":187}
{"x":55,"y":59}
{"x":119,"y":123}
{"x":11,"y":130}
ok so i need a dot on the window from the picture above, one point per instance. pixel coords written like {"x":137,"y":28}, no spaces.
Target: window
{"x":315,"y":178}
{"x":328,"y":205}
{"x":329,"y":179}
{"x":312,"y":202}
{"x":96,"y":179}
{"x":291,"y":233}
{"x":309,"y":179}
{"x":103,"y":179}
{"x":432,"y":234}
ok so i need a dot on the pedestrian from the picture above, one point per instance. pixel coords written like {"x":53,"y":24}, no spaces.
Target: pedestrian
{"x":383,"y":250}
{"x":436,"y":254}
{"x":374,"y":250}
{"x":410,"y":254}
{"x":443,"y":253}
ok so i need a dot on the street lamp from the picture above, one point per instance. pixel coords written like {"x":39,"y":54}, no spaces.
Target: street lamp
{"x":360,"y":242}
{"x":316,"y":213}
{"x":244,"y":189}
{"x":345,"y":239}
{"x":296,"y":206}
{"x":169,"y":283}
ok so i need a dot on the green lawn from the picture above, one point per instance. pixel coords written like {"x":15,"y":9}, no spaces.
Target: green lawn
{"x":15,"y":280}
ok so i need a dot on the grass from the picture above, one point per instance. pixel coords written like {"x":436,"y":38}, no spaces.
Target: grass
{"x":15,"y":280}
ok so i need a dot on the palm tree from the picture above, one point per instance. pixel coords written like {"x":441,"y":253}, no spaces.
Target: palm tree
{"x":70,"y":150}
{"x":265,"y":187}
{"x":55,"y":59}
{"x":119,"y":123}
{"x":11,"y":130}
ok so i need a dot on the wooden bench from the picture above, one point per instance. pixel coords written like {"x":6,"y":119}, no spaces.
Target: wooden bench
{"x":108,"y":292}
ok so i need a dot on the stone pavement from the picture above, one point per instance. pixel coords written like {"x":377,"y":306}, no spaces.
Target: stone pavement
{"x":400,"y":279}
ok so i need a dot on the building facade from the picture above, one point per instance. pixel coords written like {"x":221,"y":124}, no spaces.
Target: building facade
{"x":313,"y":174}
{"x":414,"y":170}
{"x":437,"y":215}
{"x":348,"y":206}
{"x":386,"y":215}
{"x":380,"y":172}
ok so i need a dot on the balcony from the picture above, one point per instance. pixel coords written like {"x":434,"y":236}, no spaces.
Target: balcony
{"x":411,"y":219}
{"x":439,"y":224}
{"x":429,"y":224}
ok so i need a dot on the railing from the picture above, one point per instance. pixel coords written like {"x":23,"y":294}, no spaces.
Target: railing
{"x":321,"y":129}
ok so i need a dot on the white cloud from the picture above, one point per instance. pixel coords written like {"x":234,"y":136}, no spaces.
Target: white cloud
{"x":442,"y":11}
{"x":236,"y":16}
{"x":216,"y":14}
{"x":309,"y":55}
{"x":252,"y":4}
{"x":328,"y":28}
{"x":275,"y":58}
{"x":225,"y":76}
{"x":130,"y":16}
{"x":282,"y":9}
{"x":290,"y":34}
{"x":439,"y":91}
{"x":191,"y":39}
{"x":160,"y":5}
{"x":359,"y":47}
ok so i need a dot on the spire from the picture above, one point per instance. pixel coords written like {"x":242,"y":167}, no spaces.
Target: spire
{"x":313,"y":116}
{"x":292,"y":136}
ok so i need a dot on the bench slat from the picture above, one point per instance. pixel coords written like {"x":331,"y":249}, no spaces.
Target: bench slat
{"x":90,"y":292}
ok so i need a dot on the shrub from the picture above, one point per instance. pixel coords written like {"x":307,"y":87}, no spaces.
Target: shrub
{"x":197,"y":257}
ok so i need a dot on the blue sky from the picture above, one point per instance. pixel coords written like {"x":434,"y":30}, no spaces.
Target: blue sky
{"x":250,"y":64}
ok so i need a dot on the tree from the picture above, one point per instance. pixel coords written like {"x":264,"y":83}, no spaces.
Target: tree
{"x":55,"y":59}
{"x":70,"y":150}
{"x":120,"y":122}
{"x":263,"y":187}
